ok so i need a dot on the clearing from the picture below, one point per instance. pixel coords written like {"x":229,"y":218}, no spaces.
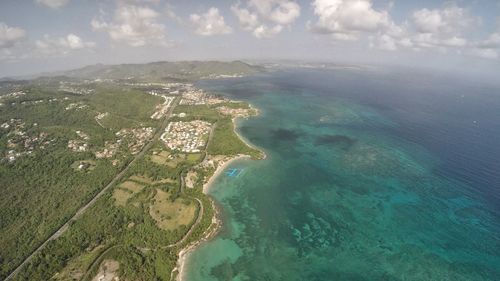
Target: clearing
{"x":170,"y":215}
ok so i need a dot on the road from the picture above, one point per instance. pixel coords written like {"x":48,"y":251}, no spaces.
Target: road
{"x":116,"y":179}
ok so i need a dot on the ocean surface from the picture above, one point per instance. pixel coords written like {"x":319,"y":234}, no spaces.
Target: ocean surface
{"x":371,"y":175}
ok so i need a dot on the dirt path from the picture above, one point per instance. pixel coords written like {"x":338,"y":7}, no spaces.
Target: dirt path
{"x":82,"y":210}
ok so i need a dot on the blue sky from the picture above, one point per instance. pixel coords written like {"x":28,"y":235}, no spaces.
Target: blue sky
{"x":48,"y":35}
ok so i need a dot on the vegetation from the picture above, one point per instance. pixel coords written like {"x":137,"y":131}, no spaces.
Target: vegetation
{"x":43,"y":189}
{"x":226,"y":142}
{"x":162,"y":71}
{"x":141,"y":222}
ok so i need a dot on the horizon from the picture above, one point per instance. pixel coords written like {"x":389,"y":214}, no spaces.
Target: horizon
{"x":38,"y":36}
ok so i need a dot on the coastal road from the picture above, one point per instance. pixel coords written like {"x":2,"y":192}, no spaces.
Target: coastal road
{"x":116,"y":179}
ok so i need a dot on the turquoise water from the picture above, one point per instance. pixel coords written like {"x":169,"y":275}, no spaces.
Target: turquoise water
{"x":371,"y":175}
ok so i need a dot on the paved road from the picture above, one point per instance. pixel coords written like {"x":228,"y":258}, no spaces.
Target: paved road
{"x":82,"y":210}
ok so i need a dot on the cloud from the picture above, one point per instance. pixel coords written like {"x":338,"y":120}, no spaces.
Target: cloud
{"x":488,"y":48}
{"x":53,"y":4}
{"x":484,"y":53}
{"x":133,"y":25}
{"x":348,"y":17}
{"x":61,"y":45}
{"x":266,"y":18}
{"x":442,"y":27}
{"x":210,"y":23}
{"x":262,"y":31}
{"x":352,"y":20}
{"x":10,"y":36}
{"x":247,"y":19}
{"x":492,"y":42}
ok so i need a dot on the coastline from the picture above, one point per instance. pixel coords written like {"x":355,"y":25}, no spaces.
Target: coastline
{"x":211,"y":232}
{"x":216,"y":224}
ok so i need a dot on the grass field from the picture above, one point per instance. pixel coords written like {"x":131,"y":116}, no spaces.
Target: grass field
{"x":125,"y":191}
{"x":168,"y":214}
{"x":141,"y":179}
{"x":193,"y":158}
{"x":161,"y":158}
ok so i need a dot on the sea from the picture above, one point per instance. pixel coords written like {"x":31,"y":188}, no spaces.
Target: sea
{"x":371,"y":174}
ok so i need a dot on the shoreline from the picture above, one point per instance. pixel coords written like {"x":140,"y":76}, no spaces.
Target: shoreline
{"x":220,"y":168}
{"x":216,"y":224}
{"x":211,"y":232}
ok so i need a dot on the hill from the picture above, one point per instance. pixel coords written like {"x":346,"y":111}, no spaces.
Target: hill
{"x":163,"y":71}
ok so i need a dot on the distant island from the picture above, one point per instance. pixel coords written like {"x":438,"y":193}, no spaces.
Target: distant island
{"x":104,"y":168}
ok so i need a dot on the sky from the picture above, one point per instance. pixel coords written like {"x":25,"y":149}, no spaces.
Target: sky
{"x":48,"y":35}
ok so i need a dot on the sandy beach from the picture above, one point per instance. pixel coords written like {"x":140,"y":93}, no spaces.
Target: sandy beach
{"x":220,"y":168}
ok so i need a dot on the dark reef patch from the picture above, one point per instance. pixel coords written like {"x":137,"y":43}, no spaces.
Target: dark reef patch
{"x":335,"y":140}
{"x":285,"y":135}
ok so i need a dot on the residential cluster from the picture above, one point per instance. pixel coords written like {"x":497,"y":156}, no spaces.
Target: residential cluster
{"x":20,"y":141}
{"x":222,"y":76}
{"x":74,"y":88}
{"x":101,"y":116}
{"x":186,"y":136}
{"x":13,"y":95}
{"x":198,"y":97}
{"x":136,"y":138}
{"x":32,"y":102}
{"x":109,"y":150}
{"x":81,"y":144}
{"x":78,"y":145}
{"x":236,"y":112}
{"x":77,"y":105}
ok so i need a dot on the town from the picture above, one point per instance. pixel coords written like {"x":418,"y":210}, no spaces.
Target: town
{"x":186,"y":136}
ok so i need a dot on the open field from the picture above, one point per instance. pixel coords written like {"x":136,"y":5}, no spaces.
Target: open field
{"x":161,"y":158}
{"x":170,"y":214}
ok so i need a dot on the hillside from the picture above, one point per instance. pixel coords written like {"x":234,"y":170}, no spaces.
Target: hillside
{"x":163,"y":71}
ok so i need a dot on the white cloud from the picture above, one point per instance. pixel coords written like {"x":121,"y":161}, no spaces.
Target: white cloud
{"x":348,"y":17}
{"x":61,"y":45}
{"x":210,"y":23}
{"x":134,"y":25}
{"x":449,"y":20}
{"x":262,"y":31}
{"x":442,"y":28}
{"x":352,"y":20}
{"x":493,"y":41}
{"x":54,"y":4}
{"x":247,"y":19}
{"x":9,"y":36}
{"x":266,"y":18}
{"x":485,"y":53}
